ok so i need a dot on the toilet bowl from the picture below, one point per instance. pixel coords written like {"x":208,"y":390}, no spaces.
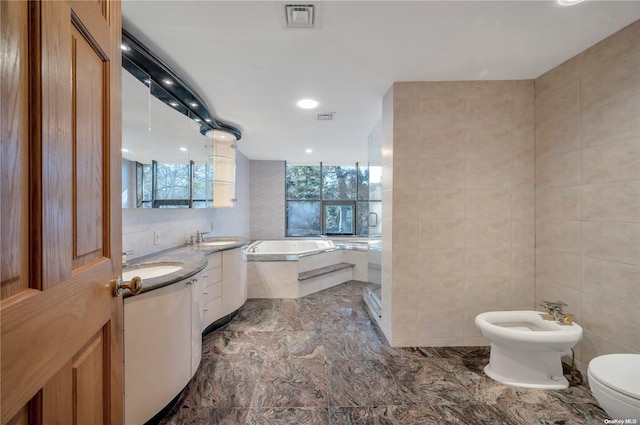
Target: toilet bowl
{"x":614,"y":380}
{"x":526,"y":347}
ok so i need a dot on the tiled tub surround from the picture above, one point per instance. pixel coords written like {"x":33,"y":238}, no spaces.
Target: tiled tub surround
{"x":587,"y":135}
{"x":321,"y":360}
{"x":277,"y":275}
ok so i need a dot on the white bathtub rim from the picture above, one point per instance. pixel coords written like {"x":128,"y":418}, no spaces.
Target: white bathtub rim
{"x":340,"y":246}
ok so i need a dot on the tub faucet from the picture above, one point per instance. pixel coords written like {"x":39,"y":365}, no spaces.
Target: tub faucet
{"x":556,"y":309}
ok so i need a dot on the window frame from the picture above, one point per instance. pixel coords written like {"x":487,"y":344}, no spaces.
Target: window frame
{"x":324,"y":202}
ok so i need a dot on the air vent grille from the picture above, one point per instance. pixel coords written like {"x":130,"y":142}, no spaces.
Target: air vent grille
{"x":300,"y":16}
{"x":325,"y":117}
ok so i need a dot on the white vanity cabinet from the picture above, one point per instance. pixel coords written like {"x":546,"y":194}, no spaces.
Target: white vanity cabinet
{"x":212,"y":291}
{"x":162,"y":347}
{"x":234,"y":280}
{"x":226,"y":287}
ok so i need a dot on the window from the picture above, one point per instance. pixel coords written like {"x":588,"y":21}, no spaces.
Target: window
{"x":174,"y":185}
{"x":327,"y":200}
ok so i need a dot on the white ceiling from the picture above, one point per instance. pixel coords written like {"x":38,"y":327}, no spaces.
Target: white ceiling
{"x":251,"y":71}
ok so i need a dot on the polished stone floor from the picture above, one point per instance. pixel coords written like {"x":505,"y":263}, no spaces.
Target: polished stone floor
{"x":321,"y":360}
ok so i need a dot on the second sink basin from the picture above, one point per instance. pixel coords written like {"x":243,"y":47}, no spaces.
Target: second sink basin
{"x":220,"y":242}
{"x":150,"y":271}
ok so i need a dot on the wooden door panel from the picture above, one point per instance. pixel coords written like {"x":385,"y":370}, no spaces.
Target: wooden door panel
{"x":90,"y":380}
{"x":54,"y":217}
{"x":21,"y":418}
{"x":61,"y":327}
{"x":14,"y":266}
{"x":90,"y":71}
{"x":57,"y":406}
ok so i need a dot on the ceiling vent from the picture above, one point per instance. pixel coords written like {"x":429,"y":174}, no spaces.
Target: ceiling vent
{"x":328,"y":116}
{"x":300,"y":16}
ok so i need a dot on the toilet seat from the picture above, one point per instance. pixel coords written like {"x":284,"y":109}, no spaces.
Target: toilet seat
{"x":618,"y":372}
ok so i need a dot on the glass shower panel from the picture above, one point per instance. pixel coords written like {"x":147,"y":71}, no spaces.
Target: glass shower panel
{"x":374,"y":221}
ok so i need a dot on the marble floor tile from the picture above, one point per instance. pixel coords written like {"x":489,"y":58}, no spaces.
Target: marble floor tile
{"x":543,"y":414}
{"x":297,"y":344}
{"x":357,"y":345}
{"x":426,"y":381}
{"x":223,"y":383}
{"x":322,"y":360}
{"x":291,"y":383}
{"x":197,"y":416}
{"x":385,"y":415}
{"x":469,"y":413}
{"x":233,"y":416}
{"x":224,"y":343}
{"x":301,"y":315}
{"x":289,"y":416}
{"x":256,"y":315}
{"x":361,"y":383}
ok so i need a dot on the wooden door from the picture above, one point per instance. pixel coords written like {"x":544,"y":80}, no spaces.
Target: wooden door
{"x":61,"y":327}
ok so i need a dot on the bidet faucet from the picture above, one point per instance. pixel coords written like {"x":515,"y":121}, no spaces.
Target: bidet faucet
{"x":556,"y":309}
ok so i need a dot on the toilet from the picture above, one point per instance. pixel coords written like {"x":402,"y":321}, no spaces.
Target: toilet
{"x":526,"y":347}
{"x":614,"y":380}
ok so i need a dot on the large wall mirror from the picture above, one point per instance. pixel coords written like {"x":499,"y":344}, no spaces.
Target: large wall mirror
{"x":166,"y":161}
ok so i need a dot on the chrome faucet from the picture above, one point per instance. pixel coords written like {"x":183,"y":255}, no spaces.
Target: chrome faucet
{"x":556,"y":309}
{"x":125,"y":260}
{"x":197,"y":237}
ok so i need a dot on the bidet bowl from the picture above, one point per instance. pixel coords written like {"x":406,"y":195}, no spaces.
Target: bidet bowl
{"x":528,"y":329}
{"x":526,"y":347}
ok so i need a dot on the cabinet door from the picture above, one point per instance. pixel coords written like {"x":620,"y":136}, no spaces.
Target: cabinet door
{"x":234,"y":280}
{"x":196,"y":322}
{"x":157,"y":355}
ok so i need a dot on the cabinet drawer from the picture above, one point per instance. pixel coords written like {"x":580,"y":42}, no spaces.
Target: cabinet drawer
{"x":211,"y":312}
{"x":215,"y":259}
{"x":211,"y":292}
{"x":211,"y":276}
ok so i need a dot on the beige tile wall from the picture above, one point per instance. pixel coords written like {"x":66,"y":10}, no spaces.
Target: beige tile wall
{"x":587,"y":140}
{"x":267,"y":200}
{"x":459,"y":235}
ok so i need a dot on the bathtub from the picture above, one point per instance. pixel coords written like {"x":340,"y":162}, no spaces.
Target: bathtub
{"x":275,"y":268}
{"x":287,"y":248}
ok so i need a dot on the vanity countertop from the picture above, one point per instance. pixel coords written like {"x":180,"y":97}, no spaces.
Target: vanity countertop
{"x":192,"y":258}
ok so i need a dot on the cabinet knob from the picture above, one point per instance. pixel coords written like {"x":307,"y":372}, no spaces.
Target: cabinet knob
{"x":134,"y":286}
{"x":205,"y":309}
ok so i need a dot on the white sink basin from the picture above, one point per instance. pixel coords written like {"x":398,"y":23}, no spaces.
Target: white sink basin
{"x":219,"y":243}
{"x":151,"y":271}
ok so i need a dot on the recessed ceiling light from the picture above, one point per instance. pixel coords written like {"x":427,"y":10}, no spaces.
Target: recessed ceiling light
{"x":222,"y":136}
{"x":124,"y":150}
{"x":193,"y":104}
{"x":307,"y":103}
{"x":308,"y":150}
{"x":124,"y":48}
{"x":167,"y":82}
{"x":569,"y":2}
{"x":147,"y":81}
{"x":183,"y":149}
{"x":207,"y":119}
{"x":197,"y":120}
{"x":174,"y":104}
